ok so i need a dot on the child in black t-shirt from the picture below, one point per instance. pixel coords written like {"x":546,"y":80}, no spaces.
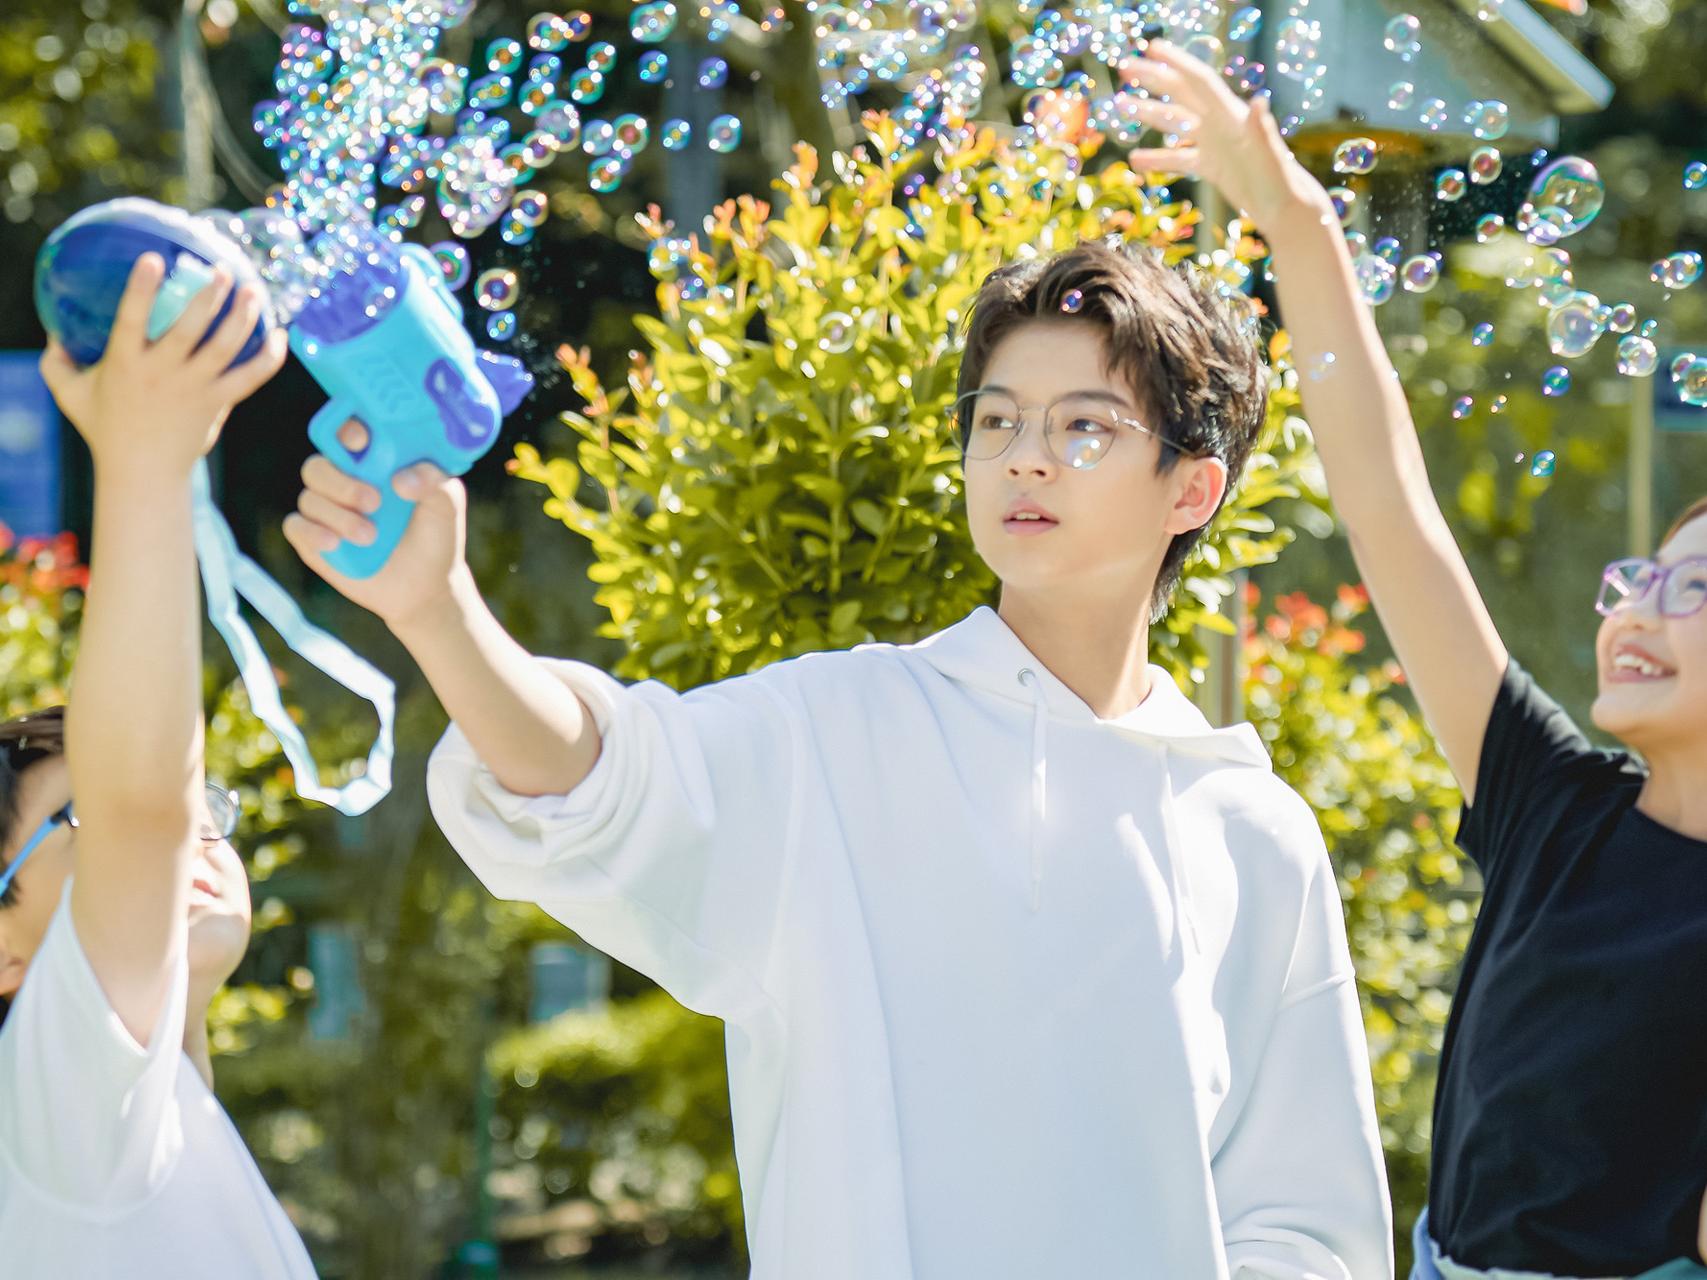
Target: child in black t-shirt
{"x":1571,"y":1118}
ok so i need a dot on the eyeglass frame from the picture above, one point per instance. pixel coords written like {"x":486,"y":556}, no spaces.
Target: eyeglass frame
{"x":1656,"y":585}
{"x":66,"y":816}
{"x":963,"y":436}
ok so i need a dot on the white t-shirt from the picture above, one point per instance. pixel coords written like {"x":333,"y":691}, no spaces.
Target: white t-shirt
{"x":117,"y":1160}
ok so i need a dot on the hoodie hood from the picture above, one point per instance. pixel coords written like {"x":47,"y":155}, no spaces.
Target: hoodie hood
{"x":983,"y":653}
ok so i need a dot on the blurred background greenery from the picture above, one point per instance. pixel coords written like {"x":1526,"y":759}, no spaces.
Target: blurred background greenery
{"x":438,"y":1084}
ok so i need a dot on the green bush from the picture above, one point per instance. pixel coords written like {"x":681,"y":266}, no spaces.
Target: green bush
{"x":1344,"y":736}
{"x":777,"y":477}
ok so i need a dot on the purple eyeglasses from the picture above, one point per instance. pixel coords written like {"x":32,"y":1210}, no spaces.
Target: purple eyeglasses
{"x":1680,"y":588}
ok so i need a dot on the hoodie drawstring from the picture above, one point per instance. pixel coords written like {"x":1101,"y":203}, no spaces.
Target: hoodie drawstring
{"x":1185,"y":921}
{"x":1174,"y":850}
{"x":1039,"y":779}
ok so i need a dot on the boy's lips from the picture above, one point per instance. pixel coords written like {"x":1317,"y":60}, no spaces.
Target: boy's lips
{"x":1027,"y":517}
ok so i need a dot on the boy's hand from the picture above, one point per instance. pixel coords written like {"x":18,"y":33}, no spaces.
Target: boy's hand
{"x":159,"y":406}
{"x":425,"y":571}
{"x":1236,"y":147}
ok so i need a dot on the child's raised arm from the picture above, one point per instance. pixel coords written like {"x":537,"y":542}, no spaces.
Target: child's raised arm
{"x":526,"y":725}
{"x":134,"y":732}
{"x":1417,"y":578}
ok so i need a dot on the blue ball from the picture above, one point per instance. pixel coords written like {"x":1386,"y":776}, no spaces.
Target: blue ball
{"x":82,"y":270}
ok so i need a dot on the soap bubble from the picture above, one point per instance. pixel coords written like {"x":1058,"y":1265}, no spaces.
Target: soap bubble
{"x":1488,"y":119}
{"x":1677,"y":270}
{"x":560,"y":122}
{"x":586,"y":85}
{"x":836,"y":332}
{"x":1637,"y":357}
{"x":1543,"y":465}
{"x":504,"y":56}
{"x":632,"y":133}
{"x":1345,"y":203}
{"x":676,"y":135}
{"x":530,"y":207}
{"x":1245,"y":23}
{"x":654,"y":66}
{"x":1403,"y":36}
{"x":1355,"y":155}
{"x":1421,"y":273}
{"x":548,"y":32}
{"x":1434,"y":115}
{"x":1401,"y":95}
{"x":1556,"y":381}
{"x":453,"y":262}
{"x":1694,"y":176}
{"x":601,"y":56}
{"x":1462,"y":407}
{"x":1485,"y":165}
{"x":1691,"y":379}
{"x":514,"y":231}
{"x":1450,"y":185}
{"x":497,"y":289}
{"x":1621,"y":318}
{"x":1564,"y":198}
{"x":1482,"y":334}
{"x":1207,"y":49}
{"x":1389,"y":249}
{"x":1298,"y":48}
{"x":723,"y":134}
{"x":598,"y":138}
{"x":1376,"y":277}
{"x":652,"y":23}
{"x":713,"y":73}
{"x":1573,"y":327}
{"x":1488,"y":227}
{"x":668,"y":256}
{"x":605,"y":176}
{"x":501,"y":326}
{"x":1497,"y":404}
{"x":1073,"y":301}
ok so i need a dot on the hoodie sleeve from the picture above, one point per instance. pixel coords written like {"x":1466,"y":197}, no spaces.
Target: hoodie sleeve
{"x":1301,"y":1178}
{"x":669,"y":856}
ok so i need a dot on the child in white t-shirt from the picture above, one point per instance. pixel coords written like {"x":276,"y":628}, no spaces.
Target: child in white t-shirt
{"x":123,"y":907}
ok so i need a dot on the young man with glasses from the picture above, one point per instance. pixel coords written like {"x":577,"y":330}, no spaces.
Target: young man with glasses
{"x":123,"y":906}
{"x":1026,"y":969}
{"x":1570,"y":1133}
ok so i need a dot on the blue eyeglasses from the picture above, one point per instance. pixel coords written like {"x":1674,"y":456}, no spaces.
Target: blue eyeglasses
{"x":222,"y":808}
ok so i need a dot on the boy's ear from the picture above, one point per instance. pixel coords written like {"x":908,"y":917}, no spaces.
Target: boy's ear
{"x":1199,"y":486}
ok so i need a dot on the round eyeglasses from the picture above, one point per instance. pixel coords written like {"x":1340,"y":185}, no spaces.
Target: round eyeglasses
{"x":222,"y":813}
{"x":1680,"y":588}
{"x":1079,"y":429}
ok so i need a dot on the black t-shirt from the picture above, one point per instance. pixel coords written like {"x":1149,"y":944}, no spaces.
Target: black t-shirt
{"x":1570,"y":1124}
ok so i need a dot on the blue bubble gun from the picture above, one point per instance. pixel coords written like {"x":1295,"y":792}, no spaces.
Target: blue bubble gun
{"x":385,"y":339}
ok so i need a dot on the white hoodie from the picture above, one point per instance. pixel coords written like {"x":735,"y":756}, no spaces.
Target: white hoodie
{"x":1010,"y":990}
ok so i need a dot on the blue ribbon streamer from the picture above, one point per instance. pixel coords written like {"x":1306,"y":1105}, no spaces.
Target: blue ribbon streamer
{"x":228,"y":574}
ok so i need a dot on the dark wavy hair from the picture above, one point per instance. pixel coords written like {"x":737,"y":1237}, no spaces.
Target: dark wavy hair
{"x":1191,"y":352}
{"x":25,"y":741}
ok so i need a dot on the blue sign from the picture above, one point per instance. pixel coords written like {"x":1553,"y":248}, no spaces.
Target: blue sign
{"x":1671,"y":411}
{"x":29,"y":448}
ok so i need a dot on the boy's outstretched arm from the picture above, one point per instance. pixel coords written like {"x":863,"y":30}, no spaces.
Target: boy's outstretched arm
{"x":1417,"y":578}
{"x":149,"y":411}
{"x":527,"y":726}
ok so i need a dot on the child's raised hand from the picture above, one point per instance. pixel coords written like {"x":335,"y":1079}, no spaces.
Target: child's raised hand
{"x":426,"y":567}
{"x":1235,"y":146}
{"x":154,"y":408}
